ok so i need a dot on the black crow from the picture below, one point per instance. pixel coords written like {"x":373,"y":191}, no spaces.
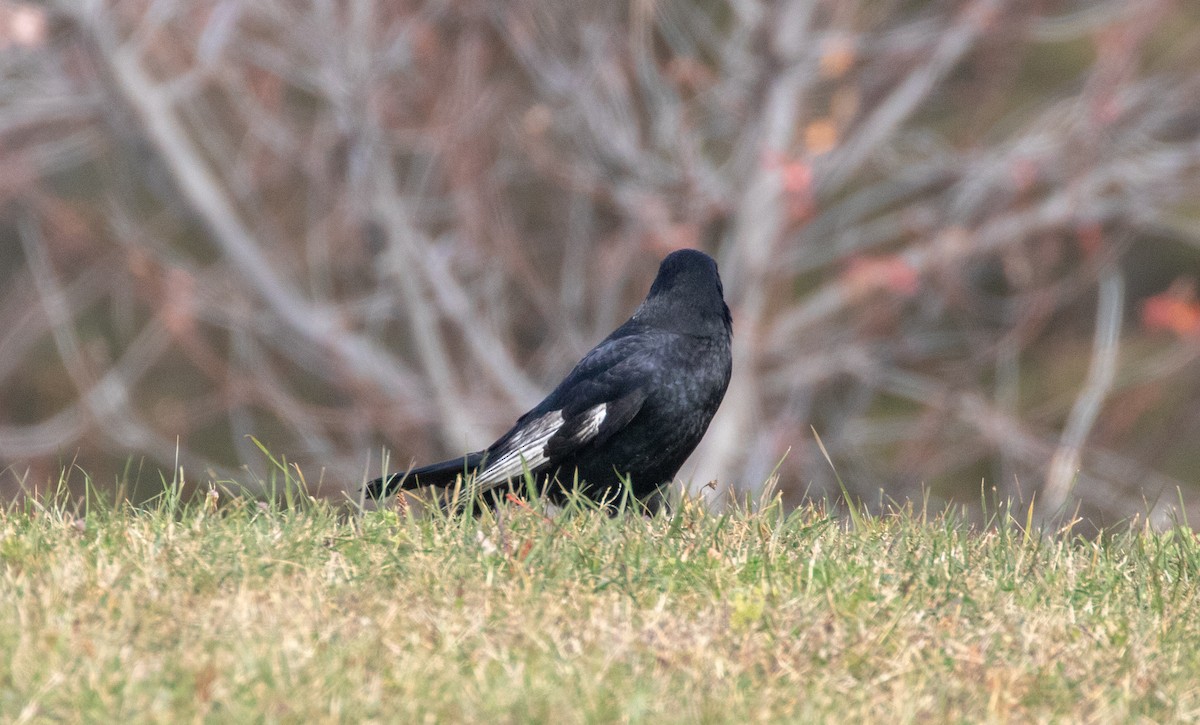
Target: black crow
{"x":633,"y":409}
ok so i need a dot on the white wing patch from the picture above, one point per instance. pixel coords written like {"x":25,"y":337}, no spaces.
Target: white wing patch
{"x":527,"y":449}
{"x":593,"y":417}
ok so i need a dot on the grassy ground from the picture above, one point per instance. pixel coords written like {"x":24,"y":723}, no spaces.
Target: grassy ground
{"x":254,"y":612}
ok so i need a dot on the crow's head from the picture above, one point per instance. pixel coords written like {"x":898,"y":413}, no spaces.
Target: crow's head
{"x":687,"y":296}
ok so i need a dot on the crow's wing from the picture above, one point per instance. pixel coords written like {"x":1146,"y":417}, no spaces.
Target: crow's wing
{"x":598,"y":398}
{"x":545,"y":441}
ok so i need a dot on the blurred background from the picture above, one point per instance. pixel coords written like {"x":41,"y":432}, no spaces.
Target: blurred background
{"x":959,"y":237}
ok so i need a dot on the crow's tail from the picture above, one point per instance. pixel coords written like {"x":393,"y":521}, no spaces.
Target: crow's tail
{"x":443,"y":473}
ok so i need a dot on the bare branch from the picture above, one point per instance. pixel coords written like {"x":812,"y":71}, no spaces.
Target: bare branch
{"x":1101,"y":370}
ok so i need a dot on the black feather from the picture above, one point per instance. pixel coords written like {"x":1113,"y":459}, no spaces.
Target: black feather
{"x":442,"y":473}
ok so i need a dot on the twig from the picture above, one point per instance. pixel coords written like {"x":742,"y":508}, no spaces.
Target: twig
{"x":1101,"y":369}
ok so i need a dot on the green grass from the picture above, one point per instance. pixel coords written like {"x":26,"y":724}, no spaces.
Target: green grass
{"x":256,"y":612}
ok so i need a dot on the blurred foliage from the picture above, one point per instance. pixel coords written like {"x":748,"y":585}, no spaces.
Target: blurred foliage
{"x":959,"y":237}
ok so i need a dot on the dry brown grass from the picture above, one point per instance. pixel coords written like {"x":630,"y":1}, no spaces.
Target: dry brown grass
{"x":260,"y":613}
